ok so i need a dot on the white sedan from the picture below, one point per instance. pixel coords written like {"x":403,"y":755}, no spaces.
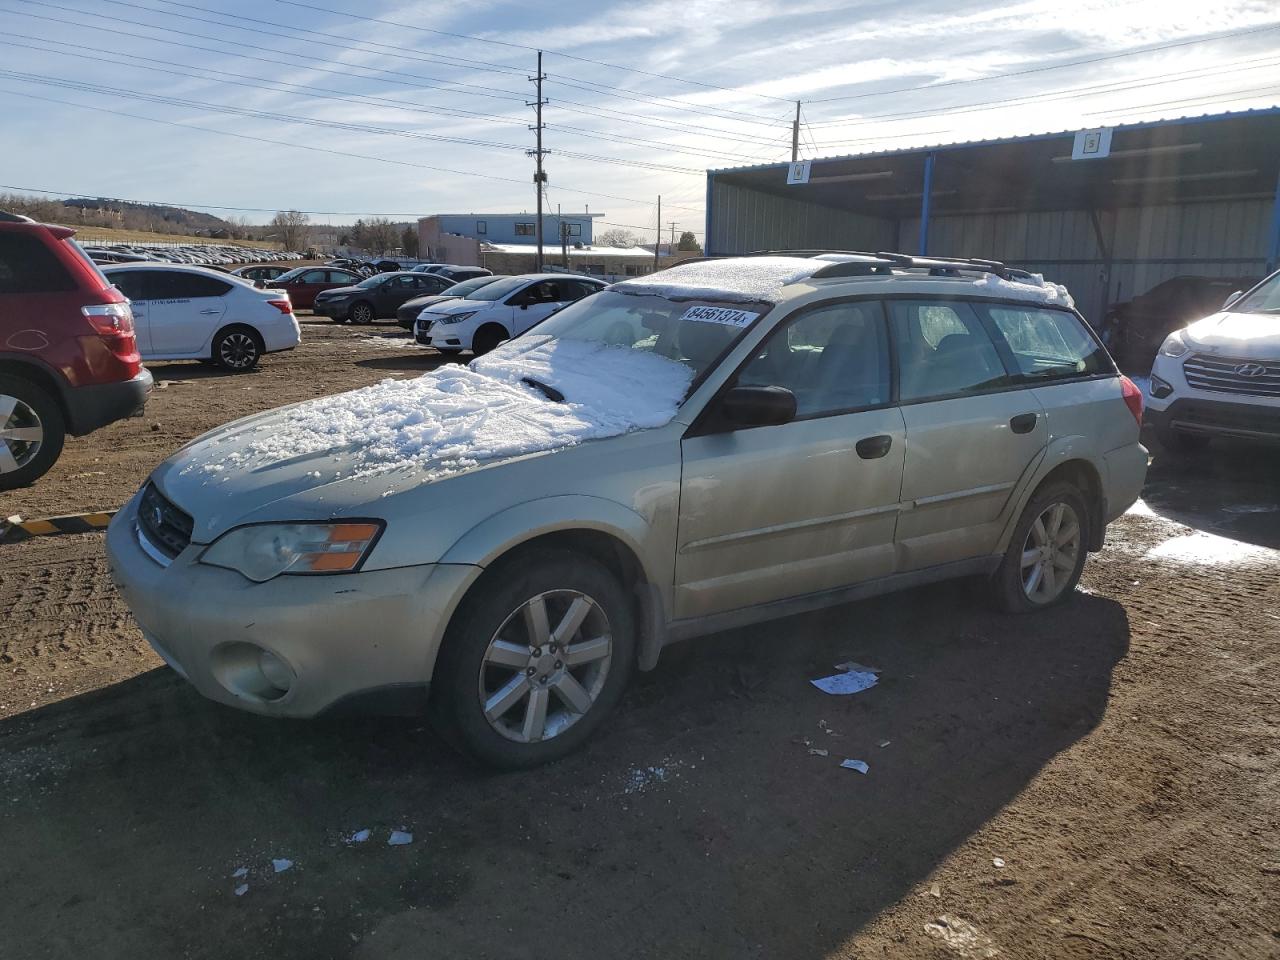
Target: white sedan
{"x":191,"y":313}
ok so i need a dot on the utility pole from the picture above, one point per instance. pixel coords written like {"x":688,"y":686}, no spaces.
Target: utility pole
{"x":539,"y":176}
{"x":673,"y":235}
{"x":564,"y":239}
{"x":657,"y":237}
{"x":795,"y":134}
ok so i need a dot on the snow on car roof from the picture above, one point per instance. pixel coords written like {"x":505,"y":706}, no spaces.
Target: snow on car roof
{"x":1031,"y":287}
{"x":455,"y":417}
{"x":737,"y":279}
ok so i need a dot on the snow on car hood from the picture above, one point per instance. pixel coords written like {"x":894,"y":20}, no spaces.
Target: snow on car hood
{"x":400,"y":433}
{"x":1247,"y":335}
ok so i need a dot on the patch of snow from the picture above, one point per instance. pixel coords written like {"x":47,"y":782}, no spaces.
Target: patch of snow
{"x":242,"y":890}
{"x":455,"y":417}
{"x":281,"y":865}
{"x":240,"y":872}
{"x":1140,"y":509}
{"x":736,"y":280}
{"x":399,"y":838}
{"x":360,"y":836}
{"x":1208,"y":549}
{"x":1036,"y":287}
{"x":389,"y":343}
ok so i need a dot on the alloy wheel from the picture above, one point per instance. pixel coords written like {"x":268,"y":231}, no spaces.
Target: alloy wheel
{"x":362,"y":313}
{"x":536,"y":679}
{"x":1050,"y":553}
{"x":238,"y":350}
{"x":21,"y":434}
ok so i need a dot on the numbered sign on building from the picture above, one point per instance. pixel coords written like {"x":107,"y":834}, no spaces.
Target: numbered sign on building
{"x":798,"y":172}
{"x":1092,"y":144}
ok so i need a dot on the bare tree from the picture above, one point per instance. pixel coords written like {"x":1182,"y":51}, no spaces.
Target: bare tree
{"x":290,"y":226}
{"x":617,"y":238}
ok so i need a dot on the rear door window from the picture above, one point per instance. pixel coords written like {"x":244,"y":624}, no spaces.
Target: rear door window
{"x":28,"y":266}
{"x":190,"y":286}
{"x":1047,"y":344}
{"x":943,"y":350}
{"x":140,"y":284}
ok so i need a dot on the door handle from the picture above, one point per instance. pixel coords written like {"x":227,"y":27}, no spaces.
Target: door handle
{"x":1024,"y":422}
{"x":209,"y":312}
{"x":873,"y":448}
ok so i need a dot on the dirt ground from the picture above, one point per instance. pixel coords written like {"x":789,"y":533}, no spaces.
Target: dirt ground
{"x":1100,"y":781}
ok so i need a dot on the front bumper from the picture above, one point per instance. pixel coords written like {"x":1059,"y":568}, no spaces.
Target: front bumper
{"x":343,"y":637}
{"x":331,"y":308}
{"x":94,"y":406}
{"x":442,"y":336}
{"x":1241,"y":421}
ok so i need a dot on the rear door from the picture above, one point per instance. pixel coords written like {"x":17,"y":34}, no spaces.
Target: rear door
{"x":138,"y":286}
{"x":971,"y":432}
{"x":773,"y":512}
{"x":303,"y":290}
{"x":186,"y":311}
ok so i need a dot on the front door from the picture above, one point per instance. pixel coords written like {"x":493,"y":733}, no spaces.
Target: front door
{"x":537,"y":302}
{"x":773,"y":512}
{"x":971,"y":435}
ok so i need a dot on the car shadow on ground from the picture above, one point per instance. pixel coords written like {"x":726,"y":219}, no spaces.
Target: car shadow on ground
{"x":413,"y":360}
{"x":698,"y":823}
{"x":1230,"y":488}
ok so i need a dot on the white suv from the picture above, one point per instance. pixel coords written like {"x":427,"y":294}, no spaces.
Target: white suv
{"x":1221,"y":375}
{"x":499,"y":311}
{"x":190,"y":313}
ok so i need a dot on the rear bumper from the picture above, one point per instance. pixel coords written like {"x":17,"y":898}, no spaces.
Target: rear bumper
{"x":1242,"y":421}
{"x":93,"y":406}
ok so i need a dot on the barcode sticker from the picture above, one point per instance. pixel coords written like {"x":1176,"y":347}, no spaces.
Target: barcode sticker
{"x":722,"y":315}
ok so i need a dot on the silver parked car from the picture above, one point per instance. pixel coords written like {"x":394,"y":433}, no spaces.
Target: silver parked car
{"x":715,"y":445}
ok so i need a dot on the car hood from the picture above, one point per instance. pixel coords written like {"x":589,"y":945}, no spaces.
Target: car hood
{"x":1247,"y":335}
{"x":430,"y":300}
{"x":459,"y":305}
{"x":339,"y":455}
{"x":333,"y":293}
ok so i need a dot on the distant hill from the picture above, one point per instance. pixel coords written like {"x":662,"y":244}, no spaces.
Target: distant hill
{"x":154,"y":216}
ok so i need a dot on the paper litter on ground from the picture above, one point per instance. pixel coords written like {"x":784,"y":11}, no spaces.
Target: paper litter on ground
{"x":842,"y":684}
{"x":455,"y":417}
{"x":360,"y":836}
{"x":858,"y":765}
{"x":399,"y":838}
{"x":240,"y":872}
{"x":242,"y":890}
{"x":281,"y":865}
{"x":852,"y":666}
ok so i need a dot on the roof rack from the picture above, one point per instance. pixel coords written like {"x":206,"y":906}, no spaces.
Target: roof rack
{"x":936,"y":265}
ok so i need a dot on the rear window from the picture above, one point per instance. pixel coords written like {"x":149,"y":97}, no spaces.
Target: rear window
{"x":1048,"y":344}
{"x":28,"y":266}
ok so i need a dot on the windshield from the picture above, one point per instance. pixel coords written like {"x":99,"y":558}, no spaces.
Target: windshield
{"x":1264,"y":299}
{"x":295,"y":272}
{"x":696,"y":333}
{"x":467,"y":287}
{"x":498,"y":289}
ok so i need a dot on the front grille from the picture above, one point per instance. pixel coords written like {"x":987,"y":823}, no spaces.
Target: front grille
{"x":1257,"y":378}
{"x":166,"y":527}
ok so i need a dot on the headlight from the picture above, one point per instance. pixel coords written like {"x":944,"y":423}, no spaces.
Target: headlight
{"x":457,"y":317}
{"x":266,"y":550}
{"x":1173,"y":345}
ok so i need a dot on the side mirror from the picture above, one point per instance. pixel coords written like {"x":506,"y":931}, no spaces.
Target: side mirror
{"x":1232,"y":299}
{"x":758,"y":406}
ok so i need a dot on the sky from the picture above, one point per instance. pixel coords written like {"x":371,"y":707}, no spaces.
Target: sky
{"x":407,"y":109}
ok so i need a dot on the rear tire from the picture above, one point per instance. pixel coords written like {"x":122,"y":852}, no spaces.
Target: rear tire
{"x":559,"y":692}
{"x":1046,"y":552}
{"x":488,"y":337}
{"x":237,"y":349}
{"x":32,"y":431}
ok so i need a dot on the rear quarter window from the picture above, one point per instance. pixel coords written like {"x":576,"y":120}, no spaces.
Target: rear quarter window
{"x":27,"y":265}
{"x":1047,"y":344}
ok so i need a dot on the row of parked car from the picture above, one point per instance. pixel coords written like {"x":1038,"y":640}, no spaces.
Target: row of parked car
{"x":208,"y":254}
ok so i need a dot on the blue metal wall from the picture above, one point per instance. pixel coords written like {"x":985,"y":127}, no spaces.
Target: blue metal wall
{"x":501,"y":228}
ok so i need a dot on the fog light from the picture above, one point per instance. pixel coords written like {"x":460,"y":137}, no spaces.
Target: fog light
{"x":276,"y":671}
{"x":1160,"y":389}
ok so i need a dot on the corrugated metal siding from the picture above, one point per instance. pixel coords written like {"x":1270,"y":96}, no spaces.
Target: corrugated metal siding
{"x":1224,"y":238}
{"x":743,"y":220}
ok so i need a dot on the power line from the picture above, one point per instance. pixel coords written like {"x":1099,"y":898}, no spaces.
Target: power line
{"x":520,"y":46}
{"x":1056,"y":66}
{"x":315,"y":149}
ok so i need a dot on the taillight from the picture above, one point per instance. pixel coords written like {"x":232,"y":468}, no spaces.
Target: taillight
{"x":109,"y":319}
{"x":1132,"y":398}
{"x":284,"y":306}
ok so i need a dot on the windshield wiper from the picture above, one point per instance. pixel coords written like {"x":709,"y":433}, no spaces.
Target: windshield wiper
{"x":550,"y":392}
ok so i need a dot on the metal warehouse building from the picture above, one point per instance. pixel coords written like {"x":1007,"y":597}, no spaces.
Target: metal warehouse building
{"x":1108,"y":212}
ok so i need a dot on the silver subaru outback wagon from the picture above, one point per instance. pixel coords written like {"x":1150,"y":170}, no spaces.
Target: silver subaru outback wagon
{"x":718,"y":444}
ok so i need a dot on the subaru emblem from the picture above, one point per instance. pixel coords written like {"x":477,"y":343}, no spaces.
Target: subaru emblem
{"x":1251,"y":370}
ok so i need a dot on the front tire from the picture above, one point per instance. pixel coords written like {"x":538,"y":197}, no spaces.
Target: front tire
{"x":537,"y":656}
{"x":1046,"y":553}
{"x":363,"y":314}
{"x":487,"y":338}
{"x":32,"y":431}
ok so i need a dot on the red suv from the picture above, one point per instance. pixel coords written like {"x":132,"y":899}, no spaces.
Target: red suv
{"x":69,"y":360}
